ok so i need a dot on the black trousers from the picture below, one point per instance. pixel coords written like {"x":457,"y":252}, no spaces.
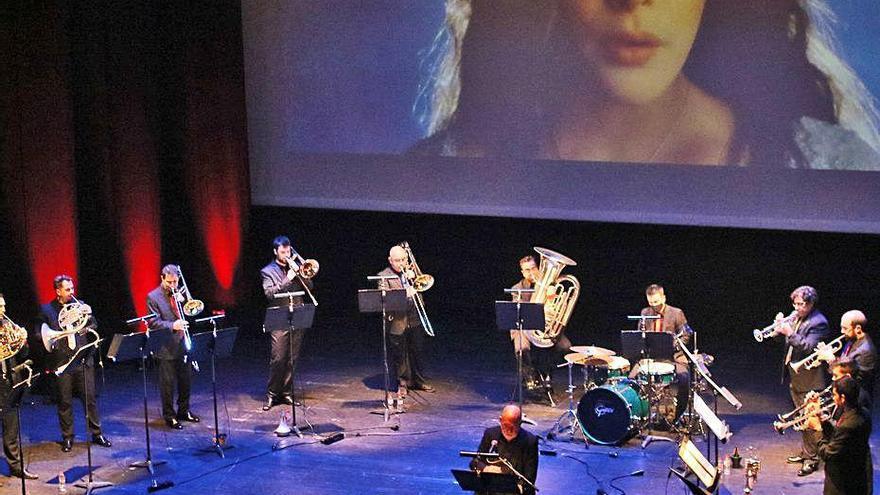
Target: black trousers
{"x":405,"y":353}
{"x":173,"y":371}
{"x":72,"y":382}
{"x":280,"y":369}
{"x":10,"y":440}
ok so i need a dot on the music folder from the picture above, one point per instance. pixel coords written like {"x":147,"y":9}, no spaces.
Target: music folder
{"x":470,"y":481}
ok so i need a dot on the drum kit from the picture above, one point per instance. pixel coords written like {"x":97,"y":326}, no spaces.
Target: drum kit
{"x":615,"y":407}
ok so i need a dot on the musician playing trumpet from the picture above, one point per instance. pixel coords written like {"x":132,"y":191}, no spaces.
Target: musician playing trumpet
{"x":802,"y":334}
{"x":165,"y":301}
{"x":844,"y":441}
{"x":62,"y":351}
{"x":858,"y":347}
{"x":406,"y":335}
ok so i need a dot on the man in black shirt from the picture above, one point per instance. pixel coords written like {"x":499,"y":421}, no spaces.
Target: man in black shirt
{"x":514,"y":444}
{"x":73,"y":377}
{"x":9,"y":400}
{"x":280,"y":277}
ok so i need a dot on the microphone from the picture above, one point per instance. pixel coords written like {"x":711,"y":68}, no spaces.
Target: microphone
{"x":493,"y":446}
{"x":23,"y":365}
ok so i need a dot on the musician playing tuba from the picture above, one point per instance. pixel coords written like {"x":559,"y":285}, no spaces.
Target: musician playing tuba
{"x":74,"y":320}
{"x":167,"y":301}
{"x":13,"y":350}
{"x":406,"y":334}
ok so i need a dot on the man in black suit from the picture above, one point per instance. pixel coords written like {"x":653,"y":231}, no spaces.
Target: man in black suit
{"x":513,"y":443}
{"x":80,"y":374}
{"x":405,"y":333}
{"x":803,"y":333}
{"x":860,"y":348}
{"x":844,"y":444}
{"x":174,"y":364}
{"x":279,"y":277}
{"x":9,"y":400}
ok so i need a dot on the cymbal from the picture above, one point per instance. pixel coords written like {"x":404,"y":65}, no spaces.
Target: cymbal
{"x":583,"y":360}
{"x":591,"y":350}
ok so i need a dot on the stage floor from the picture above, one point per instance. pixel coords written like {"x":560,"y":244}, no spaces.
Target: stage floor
{"x":413,"y":453}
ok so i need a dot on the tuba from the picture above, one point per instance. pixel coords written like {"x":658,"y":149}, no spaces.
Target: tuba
{"x":12,"y":338}
{"x":558,"y":293}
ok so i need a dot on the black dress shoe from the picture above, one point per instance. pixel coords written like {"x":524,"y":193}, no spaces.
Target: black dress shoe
{"x":25,"y":474}
{"x":795,"y":459}
{"x":174,"y":424}
{"x":192,"y":418}
{"x":808,"y":468}
{"x":269,"y":403}
{"x":66,"y":445}
{"x":424,"y":387}
{"x":101,"y":440}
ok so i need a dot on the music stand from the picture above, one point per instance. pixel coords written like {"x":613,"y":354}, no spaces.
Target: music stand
{"x":215,"y":344}
{"x":381,"y":301}
{"x":13,"y":400}
{"x":83,"y":353}
{"x":295,"y":317}
{"x":470,"y":481}
{"x":519,"y":315}
{"x":140,"y":345}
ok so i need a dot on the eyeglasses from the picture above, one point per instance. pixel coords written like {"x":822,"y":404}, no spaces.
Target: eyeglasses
{"x":800,"y":304}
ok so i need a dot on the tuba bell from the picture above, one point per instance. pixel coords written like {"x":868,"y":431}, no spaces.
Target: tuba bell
{"x":12,"y":338}
{"x":558,"y":293}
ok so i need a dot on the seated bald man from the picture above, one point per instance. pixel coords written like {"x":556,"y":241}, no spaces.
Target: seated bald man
{"x":513,"y":443}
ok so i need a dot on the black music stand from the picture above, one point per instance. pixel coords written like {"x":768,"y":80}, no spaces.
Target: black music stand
{"x":83,"y":353}
{"x":382,"y":301}
{"x":636,"y":345}
{"x":215,"y":344}
{"x":295,"y":317}
{"x":141,"y":345}
{"x":519,"y":316}
{"x":13,"y":400}
{"x":470,"y":481}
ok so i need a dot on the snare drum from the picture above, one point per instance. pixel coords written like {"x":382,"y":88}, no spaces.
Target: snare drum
{"x":611,"y":413}
{"x":659,"y":372}
{"x":618,"y":367}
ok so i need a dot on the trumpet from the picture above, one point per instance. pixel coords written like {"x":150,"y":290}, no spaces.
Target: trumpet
{"x":413,"y":277}
{"x":770,"y":330}
{"x":798,"y":417}
{"x":186,"y":306}
{"x":814,"y":359}
{"x":12,"y":338}
{"x":72,"y":320}
{"x":305,"y":269}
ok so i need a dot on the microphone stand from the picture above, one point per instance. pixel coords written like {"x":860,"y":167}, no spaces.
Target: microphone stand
{"x":517,"y":473}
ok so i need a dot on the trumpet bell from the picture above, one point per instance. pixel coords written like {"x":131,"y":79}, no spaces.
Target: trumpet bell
{"x":423,"y":282}
{"x":193,"y":307}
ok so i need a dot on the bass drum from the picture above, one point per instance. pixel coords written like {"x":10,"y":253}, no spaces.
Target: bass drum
{"x":609,"y":414}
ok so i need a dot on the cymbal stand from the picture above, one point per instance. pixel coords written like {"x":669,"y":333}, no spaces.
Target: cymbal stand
{"x":570,"y":414}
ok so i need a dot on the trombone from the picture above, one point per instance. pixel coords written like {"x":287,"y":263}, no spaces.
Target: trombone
{"x":814,"y":359}
{"x":770,"y":330}
{"x":305,"y":269}
{"x":413,"y":277}
{"x":186,"y":306}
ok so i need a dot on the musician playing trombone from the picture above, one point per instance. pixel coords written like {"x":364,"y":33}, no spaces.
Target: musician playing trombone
{"x":9,"y":400}
{"x":174,"y":368}
{"x":63,"y":350}
{"x":803,"y":330}
{"x":406,"y":335}
{"x":844,"y":442}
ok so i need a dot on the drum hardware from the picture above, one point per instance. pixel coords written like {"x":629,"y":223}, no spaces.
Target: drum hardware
{"x":591,"y":350}
{"x":770,"y":330}
{"x":570,"y":414}
{"x":814,"y":359}
{"x":558,"y":293}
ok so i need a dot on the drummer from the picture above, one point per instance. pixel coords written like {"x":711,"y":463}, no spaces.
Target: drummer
{"x":671,"y":320}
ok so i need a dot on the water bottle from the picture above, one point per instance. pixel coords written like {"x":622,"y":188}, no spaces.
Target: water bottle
{"x":62,"y":487}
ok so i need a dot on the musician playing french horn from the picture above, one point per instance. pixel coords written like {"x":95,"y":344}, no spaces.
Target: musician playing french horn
{"x":13,"y":350}
{"x":803,"y":330}
{"x":288,"y":272}
{"x":76,"y":323}
{"x":406,"y":333}
{"x":167,"y":301}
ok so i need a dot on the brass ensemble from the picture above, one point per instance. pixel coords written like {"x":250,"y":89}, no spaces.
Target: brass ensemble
{"x":186,"y":306}
{"x":413,"y":277}
{"x":770,"y":330}
{"x":12,"y":338}
{"x":813,"y":360}
{"x":558,"y":293}
{"x":797,"y":418}
{"x":305,"y":269}
{"x":72,"y":320}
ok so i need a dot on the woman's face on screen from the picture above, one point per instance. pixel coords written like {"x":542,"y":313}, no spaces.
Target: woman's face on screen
{"x":637,"y":47}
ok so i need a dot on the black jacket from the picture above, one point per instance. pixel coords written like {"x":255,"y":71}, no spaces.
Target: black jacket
{"x":808,"y":333}
{"x":844,"y":449}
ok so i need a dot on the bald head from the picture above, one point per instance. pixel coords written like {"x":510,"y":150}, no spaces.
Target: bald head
{"x":853,"y":323}
{"x":511,"y":418}
{"x":397,"y":258}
